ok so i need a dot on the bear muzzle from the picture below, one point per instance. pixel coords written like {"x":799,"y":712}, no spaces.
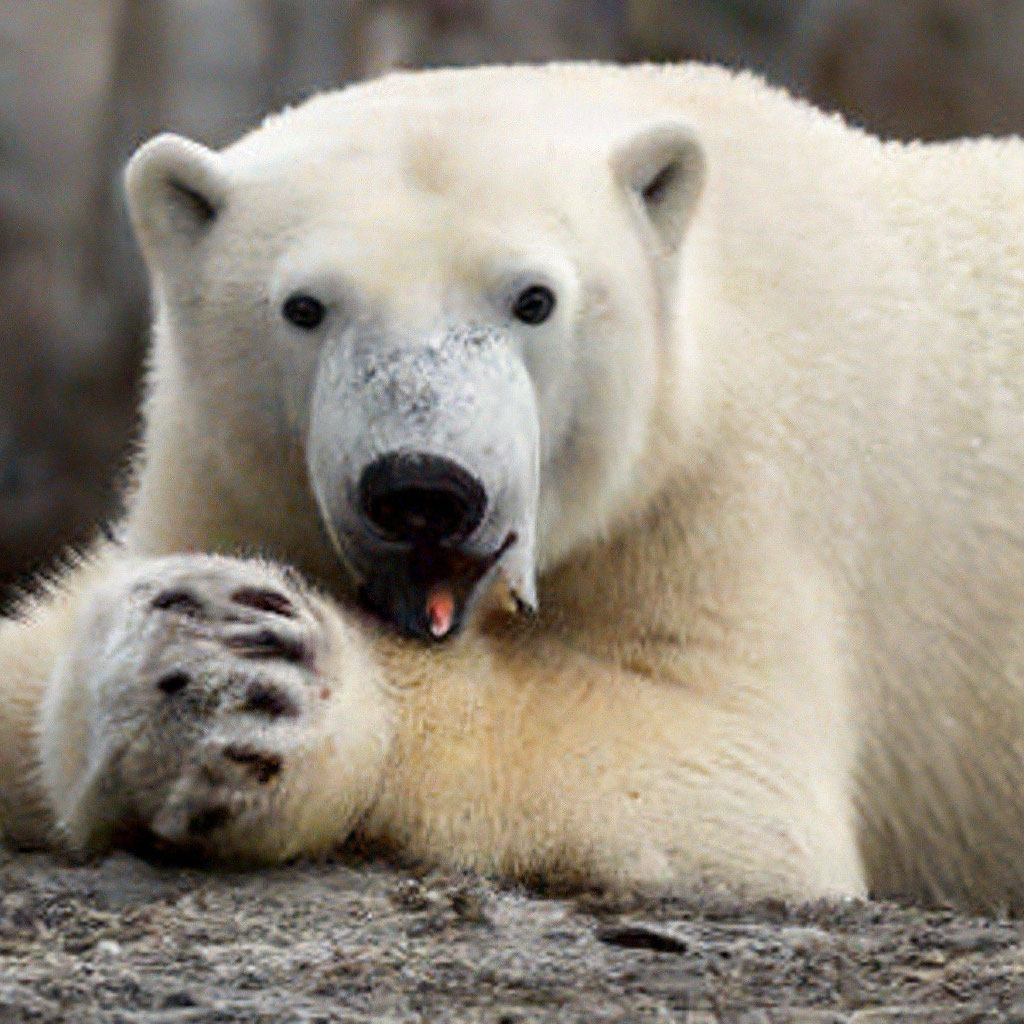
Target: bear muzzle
{"x":423,"y":454}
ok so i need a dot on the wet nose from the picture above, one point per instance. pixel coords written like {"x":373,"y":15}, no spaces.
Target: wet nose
{"x":417,"y":498}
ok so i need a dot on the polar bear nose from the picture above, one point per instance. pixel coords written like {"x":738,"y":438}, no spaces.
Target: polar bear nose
{"x":417,"y":498}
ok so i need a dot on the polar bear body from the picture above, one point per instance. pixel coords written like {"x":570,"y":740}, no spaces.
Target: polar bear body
{"x":780,"y":511}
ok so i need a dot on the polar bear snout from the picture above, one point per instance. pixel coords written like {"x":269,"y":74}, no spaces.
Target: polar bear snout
{"x":420,"y":498}
{"x":423,"y":453}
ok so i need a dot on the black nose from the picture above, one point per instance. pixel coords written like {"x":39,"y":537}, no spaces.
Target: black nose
{"x":419,"y":498}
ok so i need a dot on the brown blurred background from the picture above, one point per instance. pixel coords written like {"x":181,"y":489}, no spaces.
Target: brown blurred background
{"x":82,"y":82}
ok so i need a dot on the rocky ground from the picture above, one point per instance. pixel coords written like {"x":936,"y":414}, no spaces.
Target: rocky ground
{"x":125,"y":941}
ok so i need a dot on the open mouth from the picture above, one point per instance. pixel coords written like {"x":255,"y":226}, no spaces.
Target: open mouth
{"x":426,"y":590}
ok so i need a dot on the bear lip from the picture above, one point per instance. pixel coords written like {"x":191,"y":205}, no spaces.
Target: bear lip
{"x":399,"y":586}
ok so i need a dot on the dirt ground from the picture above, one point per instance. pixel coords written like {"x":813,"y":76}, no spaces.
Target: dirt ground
{"x":123,"y":940}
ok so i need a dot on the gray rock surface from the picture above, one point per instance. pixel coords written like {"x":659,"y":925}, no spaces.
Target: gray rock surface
{"x":123,"y":940}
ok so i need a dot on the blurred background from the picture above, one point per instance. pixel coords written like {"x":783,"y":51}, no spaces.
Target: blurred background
{"x":82,"y":82}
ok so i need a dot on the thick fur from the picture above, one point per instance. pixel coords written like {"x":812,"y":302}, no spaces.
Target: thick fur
{"x":780,"y":544}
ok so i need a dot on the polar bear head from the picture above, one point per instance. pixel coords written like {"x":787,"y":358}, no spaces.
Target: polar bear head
{"x":452,"y":294}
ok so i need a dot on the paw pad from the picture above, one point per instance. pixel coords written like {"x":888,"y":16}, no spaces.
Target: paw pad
{"x":266,"y":643}
{"x":180,"y":601}
{"x":263,"y":766}
{"x":263,"y":600}
{"x":173,"y":682}
{"x":208,"y":819}
{"x":269,"y":700}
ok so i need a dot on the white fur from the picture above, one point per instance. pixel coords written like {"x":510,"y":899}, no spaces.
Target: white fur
{"x":781,"y":522}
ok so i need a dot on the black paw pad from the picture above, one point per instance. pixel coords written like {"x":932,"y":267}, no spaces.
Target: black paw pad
{"x":209,"y":818}
{"x":180,"y":601}
{"x":265,"y":643}
{"x":263,"y":766}
{"x":269,"y":700}
{"x":263,"y":600}
{"x":173,"y":682}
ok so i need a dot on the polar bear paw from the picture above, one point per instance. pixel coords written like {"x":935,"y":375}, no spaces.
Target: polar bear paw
{"x":214,"y":707}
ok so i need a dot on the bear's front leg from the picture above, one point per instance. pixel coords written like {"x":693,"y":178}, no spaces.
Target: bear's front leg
{"x":214,"y":706}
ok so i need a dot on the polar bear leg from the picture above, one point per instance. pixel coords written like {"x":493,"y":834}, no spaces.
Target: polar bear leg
{"x":32,"y":639}
{"x":198,"y":704}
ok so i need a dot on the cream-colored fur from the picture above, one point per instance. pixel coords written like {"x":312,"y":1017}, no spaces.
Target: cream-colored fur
{"x":780,"y":637}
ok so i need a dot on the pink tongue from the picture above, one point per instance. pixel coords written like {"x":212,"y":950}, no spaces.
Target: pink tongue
{"x":440,"y":611}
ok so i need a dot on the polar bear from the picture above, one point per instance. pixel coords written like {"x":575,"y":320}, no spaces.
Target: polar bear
{"x":597,"y":473}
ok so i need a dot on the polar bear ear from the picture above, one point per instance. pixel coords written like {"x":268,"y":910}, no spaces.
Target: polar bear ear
{"x":176,"y":190}
{"x":662,"y":167}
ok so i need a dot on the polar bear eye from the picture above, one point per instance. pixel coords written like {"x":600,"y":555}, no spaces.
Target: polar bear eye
{"x":304,"y":311}
{"x":534,"y":305}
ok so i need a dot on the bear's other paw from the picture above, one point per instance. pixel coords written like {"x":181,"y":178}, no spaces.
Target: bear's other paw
{"x":214,"y":707}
